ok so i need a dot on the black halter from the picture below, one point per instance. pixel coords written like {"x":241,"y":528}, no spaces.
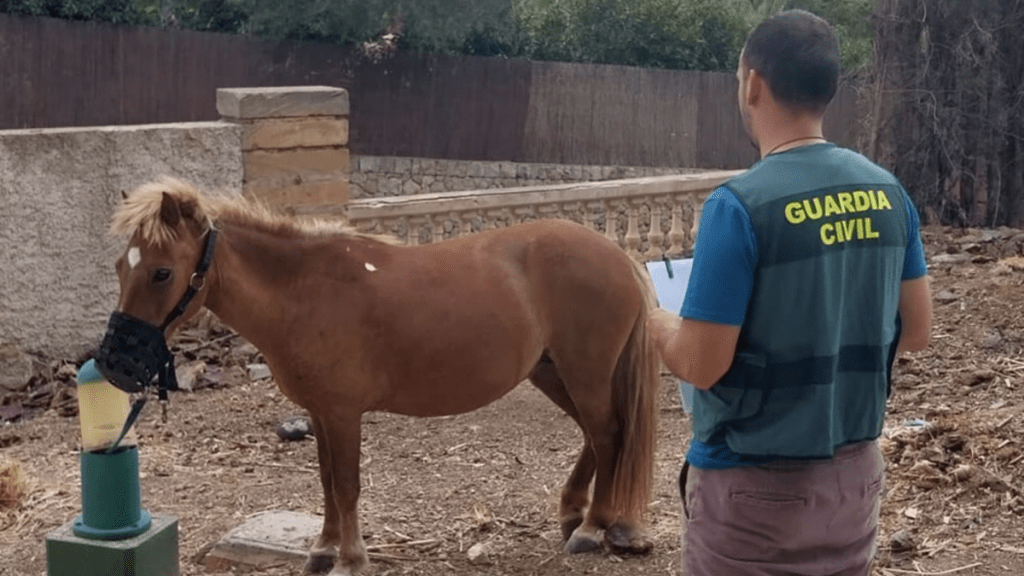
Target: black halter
{"x":134,"y":352}
{"x":196,"y":282}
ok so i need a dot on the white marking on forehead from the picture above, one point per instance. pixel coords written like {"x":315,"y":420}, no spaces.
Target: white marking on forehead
{"x":134,"y":257}
{"x":371,"y":267}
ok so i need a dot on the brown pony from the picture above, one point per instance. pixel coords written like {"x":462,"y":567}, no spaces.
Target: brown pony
{"x":349,"y":323}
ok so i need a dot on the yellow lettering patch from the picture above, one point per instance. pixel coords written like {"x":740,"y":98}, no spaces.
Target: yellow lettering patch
{"x":857,"y":203}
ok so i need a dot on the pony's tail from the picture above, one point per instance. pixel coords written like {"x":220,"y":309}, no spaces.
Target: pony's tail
{"x":637,"y":381}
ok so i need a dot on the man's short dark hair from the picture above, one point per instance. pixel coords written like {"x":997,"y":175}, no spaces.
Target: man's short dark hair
{"x":797,"y":53}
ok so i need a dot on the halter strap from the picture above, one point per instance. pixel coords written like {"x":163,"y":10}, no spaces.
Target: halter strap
{"x":196,"y":282}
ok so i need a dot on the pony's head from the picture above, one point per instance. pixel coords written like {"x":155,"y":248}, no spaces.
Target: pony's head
{"x":162,"y":273}
{"x":166,"y":225}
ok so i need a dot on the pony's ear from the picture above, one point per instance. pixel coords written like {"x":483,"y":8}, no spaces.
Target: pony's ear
{"x":169,"y":212}
{"x":188,"y":208}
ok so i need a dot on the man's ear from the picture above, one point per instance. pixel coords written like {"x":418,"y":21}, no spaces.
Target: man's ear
{"x":755,"y":87}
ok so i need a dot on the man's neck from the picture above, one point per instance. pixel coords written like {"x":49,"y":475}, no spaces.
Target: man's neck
{"x":785,"y":132}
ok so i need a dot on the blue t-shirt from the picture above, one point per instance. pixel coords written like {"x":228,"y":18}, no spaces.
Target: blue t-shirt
{"x":722,"y":281}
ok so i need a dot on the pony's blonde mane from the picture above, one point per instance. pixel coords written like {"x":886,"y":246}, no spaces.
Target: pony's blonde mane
{"x":139,"y":213}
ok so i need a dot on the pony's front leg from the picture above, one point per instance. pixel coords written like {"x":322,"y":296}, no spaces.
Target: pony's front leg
{"x":340,"y":545}
{"x":325,"y":548}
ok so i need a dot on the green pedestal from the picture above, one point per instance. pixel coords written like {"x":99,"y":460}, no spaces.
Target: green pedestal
{"x":152,"y":553}
{"x":111,"y":505}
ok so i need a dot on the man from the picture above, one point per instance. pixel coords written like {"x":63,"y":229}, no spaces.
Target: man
{"x":808,"y":278}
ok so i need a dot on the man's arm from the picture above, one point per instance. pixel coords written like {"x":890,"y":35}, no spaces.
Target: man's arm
{"x":915,"y":314}
{"x":698,"y":352}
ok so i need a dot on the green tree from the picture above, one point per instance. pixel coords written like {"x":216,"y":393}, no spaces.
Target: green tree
{"x":850,"y":18}
{"x":116,"y":11}
{"x":691,"y":34}
{"x":945,"y":98}
{"x":444,"y":26}
{"x":679,"y":34}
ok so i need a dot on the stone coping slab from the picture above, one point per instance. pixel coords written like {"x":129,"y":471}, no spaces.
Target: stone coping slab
{"x":282,"y":102}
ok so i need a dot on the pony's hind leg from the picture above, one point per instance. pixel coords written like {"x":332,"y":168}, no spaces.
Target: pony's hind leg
{"x":338,"y":439}
{"x":587,"y":387}
{"x":576,"y":492}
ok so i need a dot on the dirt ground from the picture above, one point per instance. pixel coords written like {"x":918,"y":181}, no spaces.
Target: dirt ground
{"x":432,"y":488}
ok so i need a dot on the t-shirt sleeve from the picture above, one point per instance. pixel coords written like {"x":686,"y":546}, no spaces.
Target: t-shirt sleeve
{"x":914,"y":265}
{"x":724,"y":259}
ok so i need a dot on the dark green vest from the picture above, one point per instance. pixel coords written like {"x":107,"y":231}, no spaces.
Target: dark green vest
{"x":812,"y":363}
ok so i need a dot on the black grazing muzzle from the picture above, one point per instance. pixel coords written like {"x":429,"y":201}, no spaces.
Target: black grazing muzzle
{"x":134,"y":352}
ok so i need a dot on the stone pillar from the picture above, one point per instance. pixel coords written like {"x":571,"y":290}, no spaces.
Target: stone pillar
{"x":294,"y":143}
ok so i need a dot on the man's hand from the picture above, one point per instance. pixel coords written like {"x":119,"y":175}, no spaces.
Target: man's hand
{"x":661,"y":325}
{"x":696,"y":351}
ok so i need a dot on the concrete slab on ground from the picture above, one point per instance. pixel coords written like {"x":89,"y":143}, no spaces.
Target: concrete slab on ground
{"x":272,"y":538}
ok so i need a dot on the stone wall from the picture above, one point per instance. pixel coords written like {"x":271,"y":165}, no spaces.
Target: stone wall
{"x":58,"y":189}
{"x":379,"y":176}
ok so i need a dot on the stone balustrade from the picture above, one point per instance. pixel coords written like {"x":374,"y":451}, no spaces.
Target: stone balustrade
{"x":650,"y":218}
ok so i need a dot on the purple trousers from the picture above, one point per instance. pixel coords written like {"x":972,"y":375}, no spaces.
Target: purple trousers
{"x":786,"y":518}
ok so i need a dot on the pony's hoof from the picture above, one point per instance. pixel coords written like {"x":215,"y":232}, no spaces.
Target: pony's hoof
{"x":318,"y":564}
{"x":570,"y":526}
{"x":581,"y":542}
{"x":625,"y":539}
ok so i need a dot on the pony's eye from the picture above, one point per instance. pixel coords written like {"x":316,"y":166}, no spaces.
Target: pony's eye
{"x":161,"y":275}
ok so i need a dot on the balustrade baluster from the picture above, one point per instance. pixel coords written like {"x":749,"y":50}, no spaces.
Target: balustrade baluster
{"x":465,"y":223}
{"x":655,"y":237}
{"x":610,"y":218}
{"x":590,"y":216}
{"x":698,"y":207}
{"x":371,"y":226}
{"x":676,"y":234}
{"x":632,"y":232}
{"x":524,"y":214}
{"x":438,"y":224}
{"x":413,"y":234}
{"x":571,"y":211}
{"x":401,"y":229}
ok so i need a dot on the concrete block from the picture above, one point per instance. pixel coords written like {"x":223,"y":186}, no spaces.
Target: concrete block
{"x":268,"y":538}
{"x":311,"y":132}
{"x":307,"y":163}
{"x":366,"y":163}
{"x":491,"y":170}
{"x":282,"y":102}
{"x":403,"y":165}
{"x":58,"y":188}
{"x":152,"y":553}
